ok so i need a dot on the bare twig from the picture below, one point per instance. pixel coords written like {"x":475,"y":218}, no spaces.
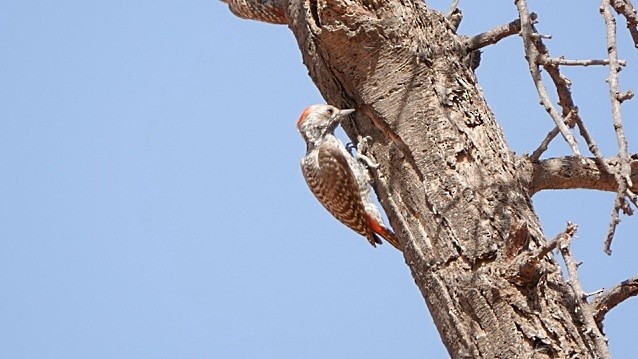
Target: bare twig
{"x":624,"y":96}
{"x":525,"y":264}
{"x":562,"y":83}
{"x":454,"y":6}
{"x":544,"y":144}
{"x":566,"y":236}
{"x":602,"y":350}
{"x":550,"y":136}
{"x":626,"y":9}
{"x":624,"y":181}
{"x":596,"y":292}
{"x":564,"y":62}
{"x":610,"y":299}
{"x":613,"y":223}
{"x":570,"y":112}
{"x":541,"y":36}
{"x":534,"y":49}
{"x":565,"y":99}
{"x":455,"y":16}
{"x":495,"y":35}
{"x":591,"y":144}
{"x":559,"y":239}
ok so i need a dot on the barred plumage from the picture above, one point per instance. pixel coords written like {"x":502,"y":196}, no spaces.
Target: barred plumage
{"x":340,"y":183}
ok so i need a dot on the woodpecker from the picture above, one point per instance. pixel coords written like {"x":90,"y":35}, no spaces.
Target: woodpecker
{"x":337,"y":179}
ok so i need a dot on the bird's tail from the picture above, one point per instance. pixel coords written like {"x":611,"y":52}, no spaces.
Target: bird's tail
{"x":385,"y":233}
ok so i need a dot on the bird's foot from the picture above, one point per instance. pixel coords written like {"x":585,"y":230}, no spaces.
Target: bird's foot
{"x":363,"y":143}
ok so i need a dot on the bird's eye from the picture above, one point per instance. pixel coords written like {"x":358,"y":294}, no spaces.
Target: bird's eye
{"x":331,"y":111}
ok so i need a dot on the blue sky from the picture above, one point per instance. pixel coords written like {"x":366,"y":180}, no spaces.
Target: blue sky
{"x":152,"y":204}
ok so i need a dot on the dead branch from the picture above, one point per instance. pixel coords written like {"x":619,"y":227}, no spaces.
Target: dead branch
{"x":570,"y":111}
{"x":575,"y":172}
{"x":624,"y":96}
{"x":534,"y":51}
{"x":268,"y":11}
{"x":525,"y":266}
{"x":610,"y":299}
{"x":626,"y":9}
{"x":548,"y":139}
{"x":538,"y":55}
{"x":624,"y":173}
{"x":602,"y":350}
{"x":565,"y":99}
{"x":455,"y":16}
{"x":496,"y":34}
{"x":560,"y":238}
{"x":564,"y":62}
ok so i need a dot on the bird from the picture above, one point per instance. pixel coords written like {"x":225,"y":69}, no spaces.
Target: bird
{"x":338,"y":180}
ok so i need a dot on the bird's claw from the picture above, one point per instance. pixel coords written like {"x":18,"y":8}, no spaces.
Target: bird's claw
{"x":362,"y":148}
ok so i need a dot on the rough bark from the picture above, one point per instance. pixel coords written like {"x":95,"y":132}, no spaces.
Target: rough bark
{"x":572,"y":172}
{"x":448,"y":181}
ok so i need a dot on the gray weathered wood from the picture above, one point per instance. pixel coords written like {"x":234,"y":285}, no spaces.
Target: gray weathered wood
{"x":447,"y":180}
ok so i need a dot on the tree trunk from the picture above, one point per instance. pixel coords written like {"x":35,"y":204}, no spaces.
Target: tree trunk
{"x":447,"y":179}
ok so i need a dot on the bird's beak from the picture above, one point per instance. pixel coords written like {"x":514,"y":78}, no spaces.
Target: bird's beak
{"x":335,"y":120}
{"x":345,"y":112}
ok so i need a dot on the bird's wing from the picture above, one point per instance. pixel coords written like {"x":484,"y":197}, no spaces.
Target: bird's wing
{"x":339,"y":191}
